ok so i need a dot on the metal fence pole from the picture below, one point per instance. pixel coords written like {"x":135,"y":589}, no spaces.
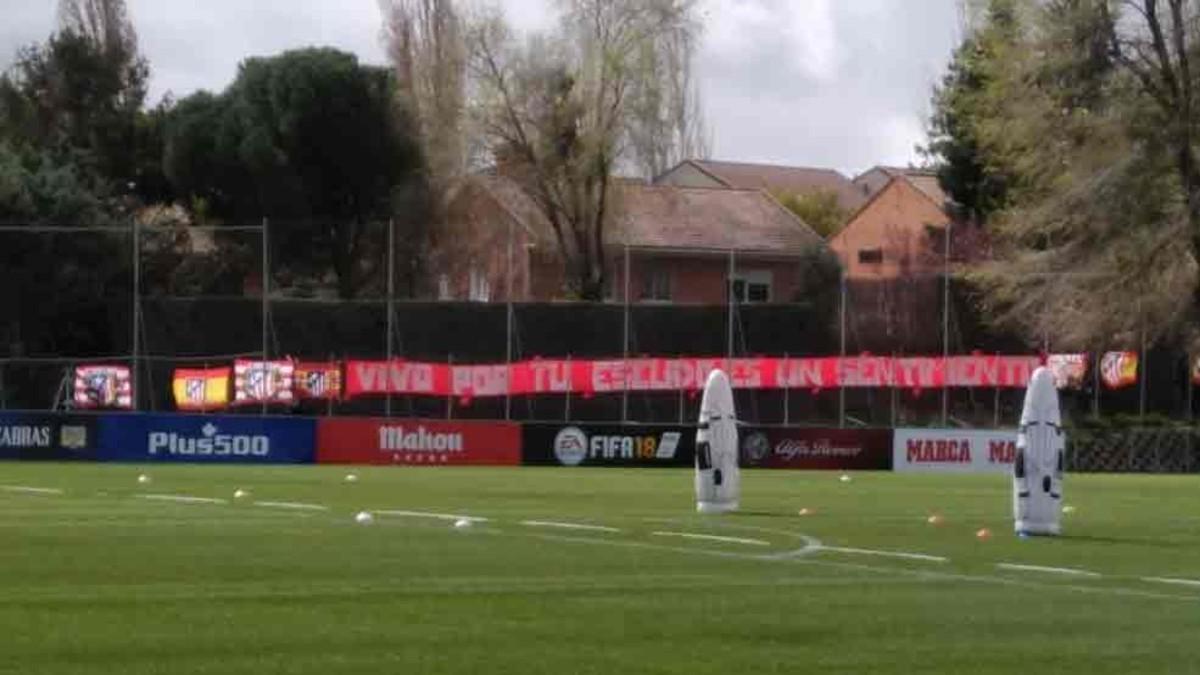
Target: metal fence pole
{"x":508,"y":323}
{"x":266,"y":292}
{"x":730,"y":306}
{"x":450,"y":391}
{"x":137,"y":313}
{"x":1096,"y":386}
{"x":946,"y":330}
{"x":1142,"y":373}
{"x":1187,"y":374}
{"x":786,"y":390}
{"x":625,"y":346}
{"x":391,"y":297}
{"x":842,"y":348}
{"x":567,"y":401}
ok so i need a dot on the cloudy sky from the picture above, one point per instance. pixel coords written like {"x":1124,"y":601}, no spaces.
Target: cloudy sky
{"x":835,"y":83}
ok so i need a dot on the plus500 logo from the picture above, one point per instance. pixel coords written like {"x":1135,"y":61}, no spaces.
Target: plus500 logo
{"x":209,"y":443}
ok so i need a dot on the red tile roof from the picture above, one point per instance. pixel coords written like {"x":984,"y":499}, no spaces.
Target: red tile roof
{"x":665,"y":216}
{"x":707,"y":218}
{"x":782,"y":179}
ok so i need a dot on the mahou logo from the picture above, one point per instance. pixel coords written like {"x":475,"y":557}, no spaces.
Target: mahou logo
{"x":401,"y":439}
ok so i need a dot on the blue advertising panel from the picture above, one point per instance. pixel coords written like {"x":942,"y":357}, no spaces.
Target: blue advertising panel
{"x":48,"y":436}
{"x":207,"y":438}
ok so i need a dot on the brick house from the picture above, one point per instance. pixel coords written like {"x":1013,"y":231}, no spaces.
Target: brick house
{"x":892,"y":234}
{"x":778,"y":180}
{"x":677,"y":241}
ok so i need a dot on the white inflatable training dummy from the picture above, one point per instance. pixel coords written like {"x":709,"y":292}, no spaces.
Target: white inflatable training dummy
{"x":718,"y":484}
{"x":1038,"y":468}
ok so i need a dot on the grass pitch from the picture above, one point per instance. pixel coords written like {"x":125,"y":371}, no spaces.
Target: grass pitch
{"x":105,"y":575}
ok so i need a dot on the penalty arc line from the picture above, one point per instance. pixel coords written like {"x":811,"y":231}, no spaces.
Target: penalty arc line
{"x":712,"y":537}
{"x":429,"y":514}
{"x":569,"y":526}
{"x":298,"y":506}
{"x":183,"y":499}
{"x":1173,"y":581}
{"x":886,"y":554}
{"x":25,"y":489}
{"x":1051,"y":570}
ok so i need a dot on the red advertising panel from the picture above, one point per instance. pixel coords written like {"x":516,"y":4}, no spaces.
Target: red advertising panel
{"x":805,"y":448}
{"x":347,"y":440}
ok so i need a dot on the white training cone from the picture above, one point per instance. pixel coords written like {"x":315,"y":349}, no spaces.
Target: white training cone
{"x":1038,"y":469}
{"x":718,"y":484}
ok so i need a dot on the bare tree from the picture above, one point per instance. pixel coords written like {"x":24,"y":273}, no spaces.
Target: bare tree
{"x":561,"y":113}
{"x":666,"y":121}
{"x":425,"y":40}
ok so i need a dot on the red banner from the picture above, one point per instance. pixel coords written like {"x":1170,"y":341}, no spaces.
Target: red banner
{"x":342,"y":440}
{"x":651,"y":374}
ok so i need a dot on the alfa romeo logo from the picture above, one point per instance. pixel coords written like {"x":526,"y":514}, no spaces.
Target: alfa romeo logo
{"x":755,"y":448}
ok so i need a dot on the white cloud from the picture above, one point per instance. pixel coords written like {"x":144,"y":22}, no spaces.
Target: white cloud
{"x":840,"y":83}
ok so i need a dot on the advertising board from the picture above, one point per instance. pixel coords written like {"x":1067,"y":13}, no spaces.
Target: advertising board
{"x":343,"y":440}
{"x":815,"y":448}
{"x":207,"y":438}
{"x":954,"y":450}
{"x":585,"y":444}
{"x":48,"y":436}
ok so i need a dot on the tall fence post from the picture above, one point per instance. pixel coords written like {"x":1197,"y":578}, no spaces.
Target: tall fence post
{"x":842,"y":347}
{"x":731,"y":301}
{"x":567,"y":401}
{"x":391,"y":312}
{"x":137,"y":313}
{"x":266,"y":294}
{"x":625,"y":345}
{"x":1096,"y":385}
{"x":786,"y":389}
{"x":450,"y":391}
{"x":508,"y":323}
{"x":946,"y":330}
{"x":1187,"y":376}
{"x":1143,"y":369}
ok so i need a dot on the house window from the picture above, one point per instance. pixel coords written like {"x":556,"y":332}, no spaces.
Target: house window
{"x":481,"y":288}
{"x":870,"y":256}
{"x":751,"y":286}
{"x":656,"y":284}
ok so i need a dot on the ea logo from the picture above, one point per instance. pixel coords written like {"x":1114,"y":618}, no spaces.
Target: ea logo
{"x":570,"y":446}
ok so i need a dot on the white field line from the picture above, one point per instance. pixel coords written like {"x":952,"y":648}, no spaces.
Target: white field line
{"x":183,"y":499}
{"x":298,"y":506}
{"x":25,"y":489}
{"x":429,"y":514}
{"x":712,"y":537}
{"x":1169,"y":580}
{"x":1051,"y":570}
{"x":569,"y":526}
{"x":886,"y":554}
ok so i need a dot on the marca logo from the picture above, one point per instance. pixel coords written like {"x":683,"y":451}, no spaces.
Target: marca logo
{"x":939,"y":450}
{"x":397,"y":438}
{"x":572,"y":446}
{"x":25,"y":436}
{"x":1002,"y":452}
{"x":209,"y":443}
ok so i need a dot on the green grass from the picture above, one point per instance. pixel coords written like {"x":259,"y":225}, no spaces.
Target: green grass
{"x":98,"y":580}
